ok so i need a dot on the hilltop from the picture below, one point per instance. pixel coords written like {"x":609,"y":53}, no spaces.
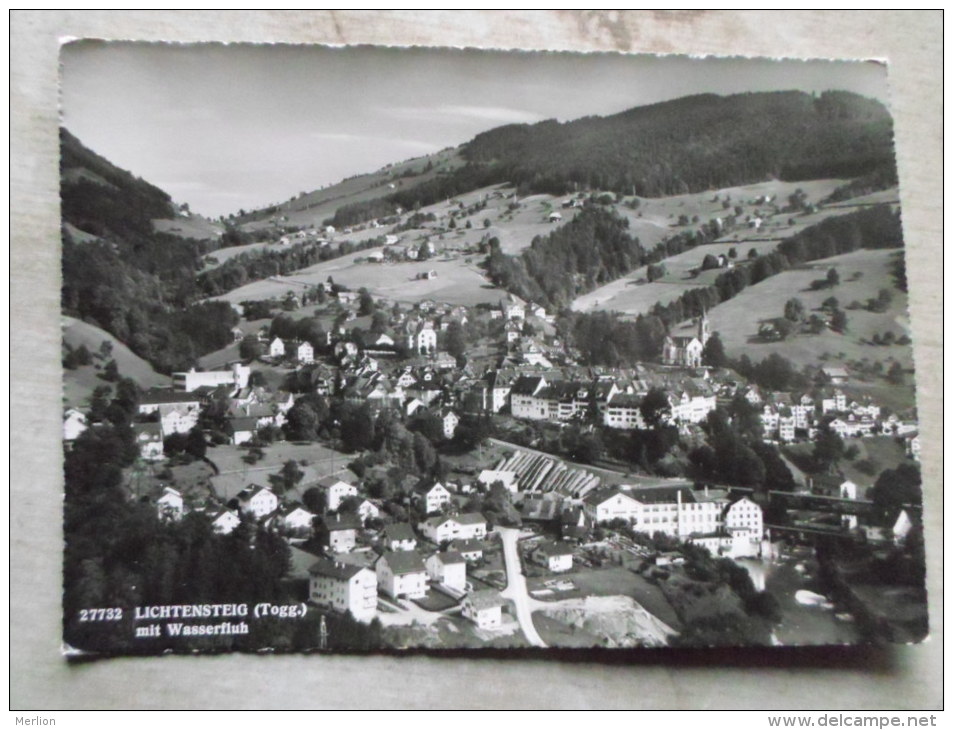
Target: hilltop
{"x":685,"y":145}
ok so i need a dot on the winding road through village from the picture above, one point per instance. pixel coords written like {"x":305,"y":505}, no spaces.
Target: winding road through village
{"x":516,"y":586}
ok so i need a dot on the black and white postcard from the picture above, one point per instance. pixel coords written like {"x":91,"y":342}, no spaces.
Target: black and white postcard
{"x":379,"y":349}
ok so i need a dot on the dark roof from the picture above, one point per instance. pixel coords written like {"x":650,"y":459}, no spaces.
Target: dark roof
{"x":154,"y":430}
{"x":525,"y":385}
{"x":245,"y":423}
{"x":450,"y":557}
{"x":470,"y":518}
{"x":164,"y":395}
{"x":485,"y":599}
{"x":467,"y":546}
{"x":620,"y":400}
{"x":342,"y":522}
{"x":335,"y":569}
{"x":552,"y":549}
{"x":399,"y":531}
{"x":404,"y":561}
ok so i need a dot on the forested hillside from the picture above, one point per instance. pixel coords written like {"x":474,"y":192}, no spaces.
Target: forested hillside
{"x":686,"y":145}
{"x":132,"y":281}
{"x":695,"y":143}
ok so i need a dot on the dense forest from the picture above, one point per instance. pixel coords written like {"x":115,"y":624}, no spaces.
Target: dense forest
{"x":134,"y":282}
{"x":694,"y":143}
{"x":592,"y":249}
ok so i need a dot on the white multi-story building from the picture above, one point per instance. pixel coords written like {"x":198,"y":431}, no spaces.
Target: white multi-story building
{"x":344,"y":587}
{"x":335,"y":492}
{"x":449,"y":569}
{"x":624,"y":411}
{"x":257,"y":500}
{"x":402,"y":574}
{"x":434,"y":496}
{"x":682,"y":512}
{"x":458,"y":527}
{"x":236,"y":376}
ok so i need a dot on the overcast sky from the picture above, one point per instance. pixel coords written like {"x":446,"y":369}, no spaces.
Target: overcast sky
{"x":224,"y":127}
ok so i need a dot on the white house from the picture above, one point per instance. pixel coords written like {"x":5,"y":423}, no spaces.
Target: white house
{"x":257,"y":500}
{"x":336,"y":491}
{"x":74,"y":423}
{"x":178,"y":418}
{"x":624,"y":411}
{"x":448,"y":568}
{"x":296,"y":520}
{"x":236,"y":376}
{"x":344,"y":587}
{"x":170,"y":505}
{"x":556,"y":556}
{"x":434,"y":497}
{"x":463,"y":527}
{"x":484,"y":608}
{"x":304,"y":353}
{"x":402,"y":574}
{"x":148,"y":438}
{"x":399,"y":536}
{"x":150,"y":401}
{"x":470,"y":549}
{"x":367,"y":510}
{"x":449,"y":419}
{"x":276,"y":348}
{"x":339,"y":533}
{"x":225,"y":521}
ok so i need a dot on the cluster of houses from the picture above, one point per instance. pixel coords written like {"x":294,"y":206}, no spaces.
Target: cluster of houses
{"x":357,"y":564}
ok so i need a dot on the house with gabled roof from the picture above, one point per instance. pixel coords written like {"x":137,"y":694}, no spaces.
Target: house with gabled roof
{"x":471,"y":549}
{"x":484,"y":608}
{"x":224,"y":521}
{"x":402,"y":574}
{"x":170,"y":505}
{"x":335,"y":491}
{"x":555,"y":556}
{"x":338,"y":533}
{"x":444,"y":527}
{"x":344,"y":587}
{"x":433,"y":496}
{"x":257,"y":500}
{"x":399,"y":536}
{"x":449,"y":569}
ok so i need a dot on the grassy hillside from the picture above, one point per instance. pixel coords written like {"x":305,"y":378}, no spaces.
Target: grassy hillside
{"x":79,"y":384}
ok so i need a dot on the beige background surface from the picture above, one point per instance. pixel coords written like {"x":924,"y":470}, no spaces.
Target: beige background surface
{"x":894,"y":678}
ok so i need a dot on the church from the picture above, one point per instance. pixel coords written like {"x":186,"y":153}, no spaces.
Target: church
{"x":687,"y":351}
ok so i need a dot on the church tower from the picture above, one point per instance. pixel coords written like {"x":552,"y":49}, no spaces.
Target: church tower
{"x":704,"y":328}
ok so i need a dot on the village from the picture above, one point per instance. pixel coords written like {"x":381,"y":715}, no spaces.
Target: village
{"x":488,"y":539}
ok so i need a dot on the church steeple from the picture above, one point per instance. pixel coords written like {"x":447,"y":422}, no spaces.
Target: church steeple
{"x":704,"y":328}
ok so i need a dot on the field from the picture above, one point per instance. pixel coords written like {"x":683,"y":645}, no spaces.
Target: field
{"x":457,"y":282}
{"x":737,"y":320}
{"x":234,"y":474}
{"x":634,"y":295}
{"x":79,"y":384}
{"x":193,"y":226}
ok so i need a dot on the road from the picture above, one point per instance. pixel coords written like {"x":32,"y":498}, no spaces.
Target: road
{"x":516,"y":586}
